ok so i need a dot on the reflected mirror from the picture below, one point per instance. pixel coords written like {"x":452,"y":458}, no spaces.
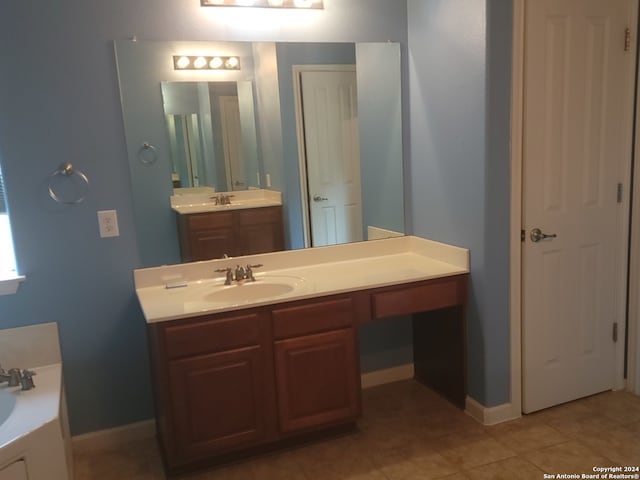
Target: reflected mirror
{"x":317,"y":124}
{"x":211,"y":128}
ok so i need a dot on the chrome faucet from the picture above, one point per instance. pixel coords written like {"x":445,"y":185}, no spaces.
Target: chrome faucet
{"x":239,"y":273}
{"x":15,"y":377}
{"x":221,"y":199}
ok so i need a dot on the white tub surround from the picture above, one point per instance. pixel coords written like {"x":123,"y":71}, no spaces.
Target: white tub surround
{"x":34,"y":432}
{"x":324,"y":271}
{"x":203,"y":202}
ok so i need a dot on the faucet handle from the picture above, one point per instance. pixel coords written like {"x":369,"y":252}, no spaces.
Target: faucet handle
{"x":26,"y":379}
{"x":249,"y":271}
{"x":228,"y":272}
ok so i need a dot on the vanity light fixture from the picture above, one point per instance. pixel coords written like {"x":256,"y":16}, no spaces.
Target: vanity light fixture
{"x":204,"y":62}
{"x":297,"y":4}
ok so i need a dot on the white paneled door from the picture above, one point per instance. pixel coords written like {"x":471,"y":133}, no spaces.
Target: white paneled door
{"x":578,"y":100}
{"x":332,"y":150}
{"x":232,"y":142}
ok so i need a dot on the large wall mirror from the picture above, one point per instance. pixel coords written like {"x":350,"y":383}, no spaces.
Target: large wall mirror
{"x":242,"y":129}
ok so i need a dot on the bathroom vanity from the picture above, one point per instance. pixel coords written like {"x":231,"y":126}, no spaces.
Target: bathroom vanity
{"x":252,"y":366}
{"x":248,"y":223}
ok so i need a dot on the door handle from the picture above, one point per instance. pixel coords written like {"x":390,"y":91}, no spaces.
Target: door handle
{"x":537,"y":235}
{"x":318,"y":198}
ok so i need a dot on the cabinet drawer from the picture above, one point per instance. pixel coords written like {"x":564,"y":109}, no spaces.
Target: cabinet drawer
{"x":405,"y":301}
{"x":213,"y":335}
{"x":258,"y":216}
{"x":312,"y":317}
{"x":210,"y":220}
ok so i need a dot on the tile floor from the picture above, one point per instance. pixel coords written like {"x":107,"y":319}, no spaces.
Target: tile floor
{"x":409,"y":433}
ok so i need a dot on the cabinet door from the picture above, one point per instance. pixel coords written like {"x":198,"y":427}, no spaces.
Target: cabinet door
{"x":219,"y":402}
{"x":210,"y":244}
{"x":260,"y":230}
{"x":317,"y":380}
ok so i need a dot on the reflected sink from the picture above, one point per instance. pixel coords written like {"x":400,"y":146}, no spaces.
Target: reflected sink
{"x":265,"y":287}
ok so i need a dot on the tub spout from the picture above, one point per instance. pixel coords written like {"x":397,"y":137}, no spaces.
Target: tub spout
{"x":12,"y":377}
{"x":15,"y":377}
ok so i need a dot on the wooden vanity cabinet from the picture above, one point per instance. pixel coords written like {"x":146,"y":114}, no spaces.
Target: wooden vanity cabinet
{"x":236,"y":383}
{"x":204,"y":236}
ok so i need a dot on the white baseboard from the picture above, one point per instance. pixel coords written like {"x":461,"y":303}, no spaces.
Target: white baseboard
{"x":388,"y":375}
{"x":113,"y":437}
{"x":491,"y":415}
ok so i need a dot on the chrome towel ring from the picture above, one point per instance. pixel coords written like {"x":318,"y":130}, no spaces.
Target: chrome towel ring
{"x":66,"y":170}
{"x":147,"y":154}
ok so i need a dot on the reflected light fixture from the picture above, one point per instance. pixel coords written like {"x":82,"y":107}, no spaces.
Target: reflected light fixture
{"x":296,"y":4}
{"x":204,"y":62}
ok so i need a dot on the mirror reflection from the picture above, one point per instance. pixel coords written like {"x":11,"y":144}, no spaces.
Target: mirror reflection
{"x":314,"y":129}
{"x":212,"y":134}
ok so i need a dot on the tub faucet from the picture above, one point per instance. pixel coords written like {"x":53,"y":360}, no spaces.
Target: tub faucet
{"x":15,"y":377}
{"x":12,"y":377}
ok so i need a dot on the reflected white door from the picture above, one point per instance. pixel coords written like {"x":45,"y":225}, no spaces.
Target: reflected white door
{"x":332,"y":148}
{"x":577,"y":124}
{"x":232,"y":143}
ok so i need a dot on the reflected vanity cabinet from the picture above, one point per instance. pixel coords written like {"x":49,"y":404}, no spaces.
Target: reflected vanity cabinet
{"x":232,"y":384}
{"x":204,"y":236}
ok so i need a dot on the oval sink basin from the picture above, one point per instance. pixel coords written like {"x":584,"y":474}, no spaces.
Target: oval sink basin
{"x":265,"y":287}
{"x":7,"y":402}
{"x":249,"y":291}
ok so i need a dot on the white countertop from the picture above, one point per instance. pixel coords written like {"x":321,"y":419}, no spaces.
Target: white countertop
{"x":203,"y":203}
{"x":325,"y":270}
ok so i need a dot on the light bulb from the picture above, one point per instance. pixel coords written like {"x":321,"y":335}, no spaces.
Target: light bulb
{"x":303,"y":3}
{"x":245,"y":3}
{"x":232,"y":62}
{"x":183,"y":62}
{"x":216,"y":62}
{"x":200,"y":62}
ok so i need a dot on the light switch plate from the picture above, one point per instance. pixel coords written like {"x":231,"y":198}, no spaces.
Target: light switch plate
{"x":108,"y":223}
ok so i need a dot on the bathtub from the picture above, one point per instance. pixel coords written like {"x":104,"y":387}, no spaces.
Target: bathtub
{"x":32,"y":437}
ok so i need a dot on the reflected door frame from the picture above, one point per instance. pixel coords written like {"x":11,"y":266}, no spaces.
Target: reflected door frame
{"x":298,"y":70}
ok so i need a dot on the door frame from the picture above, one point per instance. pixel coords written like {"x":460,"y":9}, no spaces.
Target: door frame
{"x":297,"y":71}
{"x":515,"y":287}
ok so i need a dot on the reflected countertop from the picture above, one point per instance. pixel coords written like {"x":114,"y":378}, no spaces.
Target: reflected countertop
{"x":190,"y":203}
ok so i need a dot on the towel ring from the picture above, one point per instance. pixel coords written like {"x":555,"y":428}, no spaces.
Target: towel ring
{"x":66,"y":170}
{"x":147,"y":154}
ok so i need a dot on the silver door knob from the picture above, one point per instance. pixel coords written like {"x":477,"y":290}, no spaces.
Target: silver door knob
{"x":318,"y":198}
{"x":537,"y":235}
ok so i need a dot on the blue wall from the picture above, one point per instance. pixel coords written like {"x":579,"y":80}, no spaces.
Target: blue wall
{"x":60,"y":102}
{"x":381,"y":120}
{"x":460,"y":101}
{"x":290,"y":54}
